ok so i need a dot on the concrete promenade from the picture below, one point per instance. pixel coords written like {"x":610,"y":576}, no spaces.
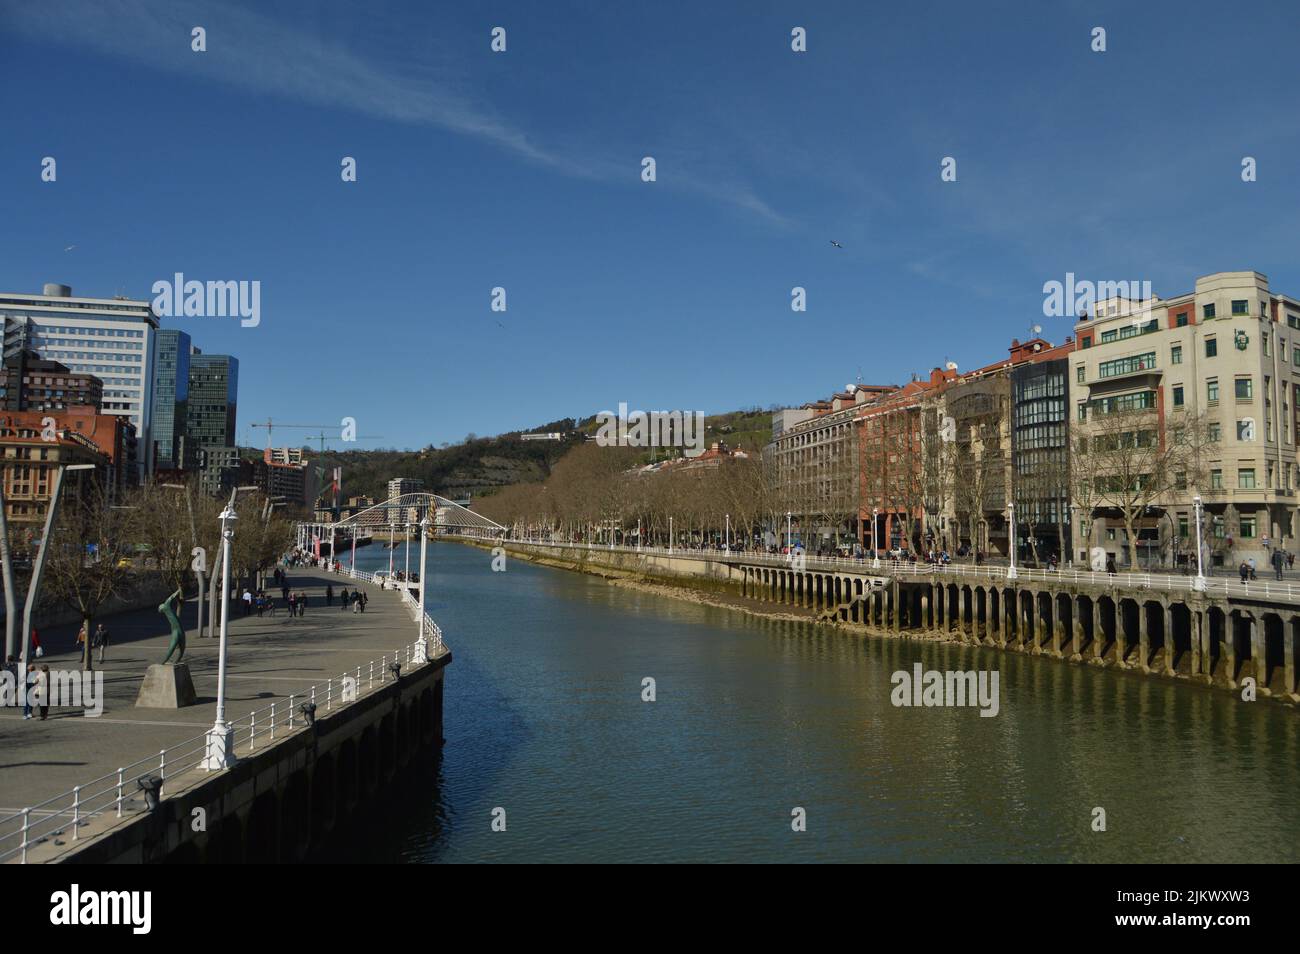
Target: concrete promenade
{"x":268,"y":658}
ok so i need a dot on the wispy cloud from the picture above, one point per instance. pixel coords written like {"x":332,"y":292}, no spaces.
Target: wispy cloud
{"x":294,"y":62}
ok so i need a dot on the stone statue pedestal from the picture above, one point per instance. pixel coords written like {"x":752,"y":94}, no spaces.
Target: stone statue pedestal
{"x":166,"y":686}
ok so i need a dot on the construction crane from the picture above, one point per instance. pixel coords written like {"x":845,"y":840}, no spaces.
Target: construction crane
{"x":270,"y":424}
{"x":323,"y":438}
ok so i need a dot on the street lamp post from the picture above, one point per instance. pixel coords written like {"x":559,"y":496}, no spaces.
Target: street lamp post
{"x":670,"y":534}
{"x":728,"y":533}
{"x":789,"y":537}
{"x":1011,"y":538}
{"x":421,"y":644}
{"x":875,"y":539}
{"x":1199,"y":583}
{"x":221,"y":737}
{"x":352,"y":565}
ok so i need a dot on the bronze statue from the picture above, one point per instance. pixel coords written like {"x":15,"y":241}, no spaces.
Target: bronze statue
{"x":178,"y":634}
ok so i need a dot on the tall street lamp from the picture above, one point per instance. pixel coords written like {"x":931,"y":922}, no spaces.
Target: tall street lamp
{"x":875,"y":540}
{"x":1199,"y":583}
{"x":421,"y":644}
{"x":221,"y":737}
{"x":789,"y":537}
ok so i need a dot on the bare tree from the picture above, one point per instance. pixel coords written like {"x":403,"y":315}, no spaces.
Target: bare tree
{"x":90,"y":560}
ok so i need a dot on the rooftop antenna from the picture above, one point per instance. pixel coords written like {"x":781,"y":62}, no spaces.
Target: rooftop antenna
{"x":1035,"y":331}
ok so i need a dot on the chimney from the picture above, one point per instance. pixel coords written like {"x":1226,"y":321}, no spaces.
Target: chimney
{"x":55,"y":290}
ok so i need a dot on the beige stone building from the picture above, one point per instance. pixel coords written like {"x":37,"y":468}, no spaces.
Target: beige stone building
{"x":1221,"y":363}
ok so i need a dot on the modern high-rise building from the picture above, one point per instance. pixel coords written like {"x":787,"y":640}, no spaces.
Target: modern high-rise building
{"x":171,"y":388}
{"x":212,"y":400}
{"x":210,"y":415}
{"x":111,"y":338}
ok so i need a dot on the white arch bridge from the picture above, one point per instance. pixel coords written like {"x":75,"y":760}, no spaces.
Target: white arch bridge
{"x":397,"y":517}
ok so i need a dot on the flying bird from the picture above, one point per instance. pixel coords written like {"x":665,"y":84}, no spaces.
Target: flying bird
{"x":70,"y":248}
{"x":836,"y":244}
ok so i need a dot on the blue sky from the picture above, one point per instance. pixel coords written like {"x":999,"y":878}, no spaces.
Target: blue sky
{"x":522,"y":170}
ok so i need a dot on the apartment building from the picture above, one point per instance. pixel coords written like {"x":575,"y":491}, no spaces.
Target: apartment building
{"x":110,"y":338}
{"x":1219,"y":369}
{"x":817,"y":467}
{"x":30,"y":383}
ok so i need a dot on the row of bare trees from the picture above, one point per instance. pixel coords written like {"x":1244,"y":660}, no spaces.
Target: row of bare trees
{"x":110,"y":548}
{"x":929,"y":469}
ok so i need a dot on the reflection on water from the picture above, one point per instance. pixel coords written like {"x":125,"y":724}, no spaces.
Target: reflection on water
{"x":544,"y":718}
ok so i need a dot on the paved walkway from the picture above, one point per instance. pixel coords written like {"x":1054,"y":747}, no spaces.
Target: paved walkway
{"x":268,"y":658}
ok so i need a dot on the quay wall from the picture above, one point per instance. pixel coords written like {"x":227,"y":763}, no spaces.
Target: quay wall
{"x":276,"y":801}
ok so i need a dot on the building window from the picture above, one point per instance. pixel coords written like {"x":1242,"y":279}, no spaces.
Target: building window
{"x":1140,"y":362}
{"x":1248,"y":527}
{"x":1178,"y":395}
{"x":1246,"y":478}
{"x":1263,"y":341}
{"x":1180,"y":320}
{"x":1207,"y":311}
{"x":1176,"y":354}
{"x":1083,"y":411}
{"x":1211,"y":347}
{"x":1241,"y":307}
{"x":1080,"y":372}
{"x":1216,"y":479}
{"x":1245,"y":389}
{"x":1184,"y":528}
{"x":1214,"y":433}
{"x":1212,"y":391}
{"x":1086,"y":340}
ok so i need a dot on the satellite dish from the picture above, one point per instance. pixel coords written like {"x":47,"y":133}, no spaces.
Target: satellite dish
{"x":1037,"y":329}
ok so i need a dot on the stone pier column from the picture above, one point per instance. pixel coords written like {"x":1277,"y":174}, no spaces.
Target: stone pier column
{"x":1229,"y":653}
{"x":1009,"y":628}
{"x":1258,"y":655}
{"x":1076,"y":634}
{"x":924,"y":621}
{"x":1196,"y":622}
{"x":1288,"y":652}
{"x":1058,"y":626}
{"x":1098,"y":630}
{"x":1171,"y":644}
{"x":897,"y":620}
{"x":1144,"y":638}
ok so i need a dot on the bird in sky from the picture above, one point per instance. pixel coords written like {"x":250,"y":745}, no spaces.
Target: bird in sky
{"x":836,"y":244}
{"x":70,"y":248}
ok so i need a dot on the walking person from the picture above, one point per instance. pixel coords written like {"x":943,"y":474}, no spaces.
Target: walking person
{"x":43,"y":690}
{"x":364,"y":600}
{"x":302,"y":604}
{"x":248,"y":602}
{"x":329,"y":594}
{"x":292,"y":600}
{"x":30,"y":682}
{"x":81,"y":641}
{"x":343,"y":599}
{"x":37,"y":649}
{"x":356,"y":601}
{"x":101,"y":640}
{"x":1278,"y":561}
{"x":1244,"y":570}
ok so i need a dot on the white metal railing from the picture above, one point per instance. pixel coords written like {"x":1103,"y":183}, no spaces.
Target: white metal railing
{"x":430,"y":627}
{"x":1171,"y":583}
{"x":113,"y":793}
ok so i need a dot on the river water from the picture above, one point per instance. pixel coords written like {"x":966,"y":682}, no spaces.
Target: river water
{"x":754,"y":718}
